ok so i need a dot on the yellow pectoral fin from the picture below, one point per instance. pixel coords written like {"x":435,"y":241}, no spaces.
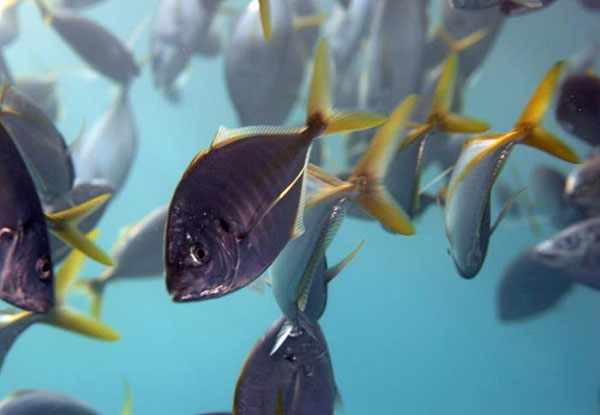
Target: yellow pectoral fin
{"x":468,"y":41}
{"x":544,"y":140}
{"x":456,"y":123}
{"x":341,"y":121}
{"x":265,"y":18}
{"x":542,"y":97}
{"x":376,"y":160}
{"x":76,"y":322}
{"x":444,"y":89}
{"x":69,"y":270}
{"x":314,"y":20}
{"x":78,"y":213}
{"x":380,"y":204}
{"x":74,"y":237}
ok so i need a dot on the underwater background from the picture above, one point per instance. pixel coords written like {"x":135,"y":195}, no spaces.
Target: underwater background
{"x":405,"y":333}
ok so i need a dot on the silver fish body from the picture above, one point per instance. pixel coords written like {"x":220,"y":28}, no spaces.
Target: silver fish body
{"x":528,"y":288}
{"x":582,"y":186}
{"x":26,"y":276}
{"x":576,"y":251}
{"x":42,"y":91}
{"x":232,"y":213}
{"x":296,"y":380}
{"x":263,"y":78}
{"x":43,"y":147}
{"x":467,"y":211}
{"x":109,"y":148}
{"x":37,"y":402}
{"x":96,"y":45}
{"x":140,"y":252}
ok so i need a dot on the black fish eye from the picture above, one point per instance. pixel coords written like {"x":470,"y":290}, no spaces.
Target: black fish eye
{"x":199,"y":254}
{"x":43,"y":268}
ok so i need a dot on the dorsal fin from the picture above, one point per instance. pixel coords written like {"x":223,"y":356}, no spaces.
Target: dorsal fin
{"x":224,"y":135}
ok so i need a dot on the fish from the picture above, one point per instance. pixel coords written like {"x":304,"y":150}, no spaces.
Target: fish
{"x":299,"y":275}
{"x":307,"y":23}
{"x":576,"y":251}
{"x":181,"y":28}
{"x":9,"y":22}
{"x":547,"y":188}
{"x":582,"y":186}
{"x":98,"y":47}
{"x":297,"y":379}
{"x":108,"y":150}
{"x":578,"y":108}
{"x":458,"y":24}
{"x":78,"y":4}
{"x":590,"y":4}
{"x":263,"y":78}
{"x":240,"y":201}
{"x":509,"y":7}
{"x":42,"y":91}
{"x":26,"y":276}
{"x":82,"y":192}
{"x":138,"y":253}
{"x":529,"y":288}
{"x":60,"y":315}
{"x":41,"y":144}
{"x":467,"y":205}
{"x":37,"y":401}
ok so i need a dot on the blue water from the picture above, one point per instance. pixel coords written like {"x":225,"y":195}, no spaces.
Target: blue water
{"x":406,"y":334}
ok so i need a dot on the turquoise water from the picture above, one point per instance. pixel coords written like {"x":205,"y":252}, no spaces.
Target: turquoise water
{"x":405,"y":333}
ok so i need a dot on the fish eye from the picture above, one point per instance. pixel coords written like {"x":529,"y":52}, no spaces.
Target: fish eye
{"x":569,"y":243}
{"x":199,"y":254}
{"x":6,"y":234}
{"x":43,"y":268}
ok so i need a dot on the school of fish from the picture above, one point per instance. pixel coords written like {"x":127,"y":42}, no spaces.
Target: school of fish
{"x":261,"y":205}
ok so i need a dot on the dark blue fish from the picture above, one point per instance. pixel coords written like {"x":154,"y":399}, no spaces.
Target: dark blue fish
{"x":296,"y":380}
{"x":578,"y":109}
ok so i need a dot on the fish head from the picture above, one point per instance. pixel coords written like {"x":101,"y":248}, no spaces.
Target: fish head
{"x":26,"y":268}
{"x":583,"y":184}
{"x":202,"y":256}
{"x":566,"y":249}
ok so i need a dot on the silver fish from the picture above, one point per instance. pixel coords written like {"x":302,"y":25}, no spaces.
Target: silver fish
{"x":181,"y":28}
{"x":576,"y":251}
{"x":583,"y":184}
{"x":296,"y":380}
{"x":43,"y":147}
{"x":42,"y":91}
{"x":263,"y":78}
{"x":9,"y":22}
{"x":93,"y":43}
{"x":37,"y":402}
{"x":137,"y":254}
{"x":108,"y":150}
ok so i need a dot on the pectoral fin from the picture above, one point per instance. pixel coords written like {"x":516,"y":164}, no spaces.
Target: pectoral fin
{"x":76,"y":322}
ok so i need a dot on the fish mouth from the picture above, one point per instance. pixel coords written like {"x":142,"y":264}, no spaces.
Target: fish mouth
{"x":190,"y":294}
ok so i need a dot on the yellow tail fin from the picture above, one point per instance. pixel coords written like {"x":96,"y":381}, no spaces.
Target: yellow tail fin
{"x":64,"y":225}
{"x":69,"y":270}
{"x":265,"y":18}
{"x":71,"y":320}
{"x":320,"y":115}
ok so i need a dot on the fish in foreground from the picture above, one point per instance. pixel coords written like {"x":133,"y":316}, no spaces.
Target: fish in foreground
{"x":240,"y":201}
{"x":26,"y":267}
{"x":582,"y":187}
{"x":38,"y":402}
{"x":13,"y":324}
{"x":575,"y":251}
{"x":297,"y":379}
{"x":467,"y":206}
{"x":578,"y":109}
{"x":43,"y":147}
{"x":138,"y":253}
{"x":299,"y":275}
{"x":108,"y":151}
{"x":528,"y":288}
{"x":93,"y":43}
